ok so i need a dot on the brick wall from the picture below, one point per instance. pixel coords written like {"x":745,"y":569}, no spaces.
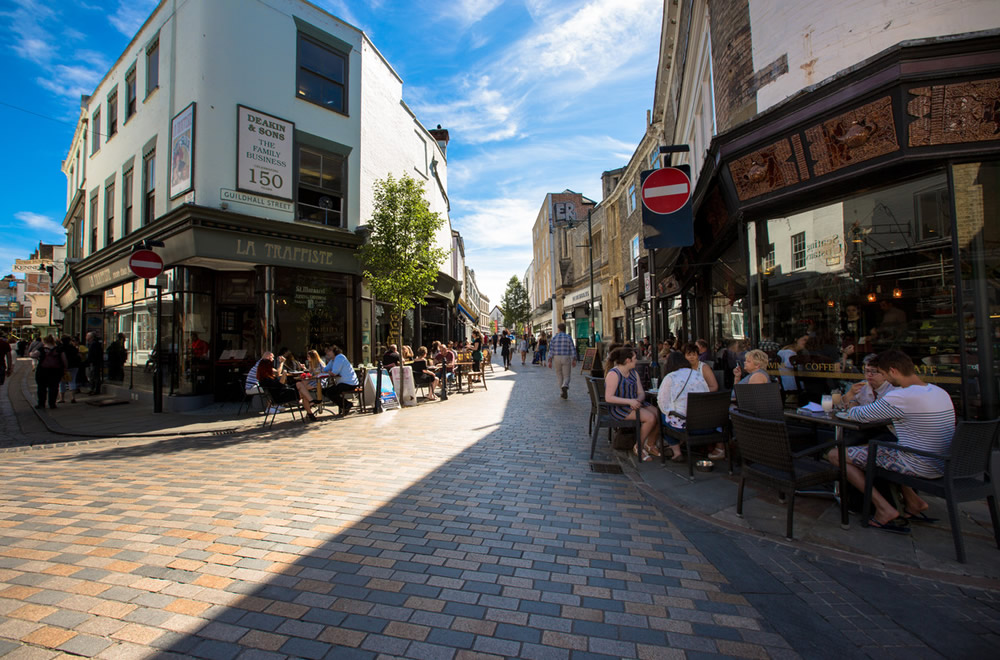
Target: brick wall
{"x":732,"y":62}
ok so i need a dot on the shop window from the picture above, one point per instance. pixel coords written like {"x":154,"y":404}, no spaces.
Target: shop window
{"x":130,"y":93}
{"x":112,"y":113}
{"x":152,"y":67}
{"x":768,"y":263}
{"x":322,"y":75}
{"x":321,"y":187}
{"x":95,"y":135}
{"x":799,"y":251}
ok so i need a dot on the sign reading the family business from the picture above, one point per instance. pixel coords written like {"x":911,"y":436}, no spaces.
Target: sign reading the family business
{"x":182,"y":152}
{"x":264,"y":153}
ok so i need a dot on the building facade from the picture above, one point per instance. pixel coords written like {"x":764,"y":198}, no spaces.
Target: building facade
{"x":251,"y":170}
{"x":849,"y":194}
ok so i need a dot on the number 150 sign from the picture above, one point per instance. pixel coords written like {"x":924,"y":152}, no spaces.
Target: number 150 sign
{"x":264,"y":153}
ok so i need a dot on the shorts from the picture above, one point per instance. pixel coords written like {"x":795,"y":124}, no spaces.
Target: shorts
{"x":889,"y":459}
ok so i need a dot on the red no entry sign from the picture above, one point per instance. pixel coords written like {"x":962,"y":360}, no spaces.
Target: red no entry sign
{"x":145,"y":263}
{"x":666,"y":190}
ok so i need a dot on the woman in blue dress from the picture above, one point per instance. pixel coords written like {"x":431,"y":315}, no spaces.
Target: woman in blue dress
{"x":624,"y":393}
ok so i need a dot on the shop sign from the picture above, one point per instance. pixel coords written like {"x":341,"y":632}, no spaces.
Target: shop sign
{"x":828,"y":249}
{"x":30,"y":265}
{"x":105,"y":276}
{"x":264,"y":153}
{"x":581,"y":296}
{"x":280,"y":252}
{"x":227,"y":195}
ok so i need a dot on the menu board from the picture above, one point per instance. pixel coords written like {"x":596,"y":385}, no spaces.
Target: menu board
{"x":588,"y":360}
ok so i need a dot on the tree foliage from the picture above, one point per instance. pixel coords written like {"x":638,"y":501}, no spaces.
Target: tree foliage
{"x":401,"y":262}
{"x":515,"y":305}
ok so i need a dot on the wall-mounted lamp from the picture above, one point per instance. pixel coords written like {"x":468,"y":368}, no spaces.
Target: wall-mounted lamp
{"x":872,"y":297}
{"x":897,"y":293}
{"x":830,"y":303}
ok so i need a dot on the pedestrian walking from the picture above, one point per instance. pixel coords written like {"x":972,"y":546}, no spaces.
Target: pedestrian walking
{"x":496,"y":338}
{"x":477,"y":351}
{"x":562,"y":353}
{"x":35,"y":344}
{"x":68,"y":381}
{"x":48,"y":373}
{"x":522,"y":348}
{"x":95,"y":362}
{"x":6,"y":358}
{"x":505,"y":341}
{"x":543,"y":345}
{"x":117,"y":356}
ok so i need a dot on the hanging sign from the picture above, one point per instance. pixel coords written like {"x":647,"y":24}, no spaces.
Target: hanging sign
{"x":667,"y":216}
{"x":264,"y":153}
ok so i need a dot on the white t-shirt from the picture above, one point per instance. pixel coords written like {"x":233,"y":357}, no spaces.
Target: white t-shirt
{"x":867,"y":395}
{"x":674,"y":389}
{"x":924,"y":418}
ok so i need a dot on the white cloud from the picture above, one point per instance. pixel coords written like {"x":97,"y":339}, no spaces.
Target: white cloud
{"x":469,"y":12}
{"x":129,"y":16}
{"x":72,"y":80}
{"x":30,"y":39}
{"x":42,"y":223}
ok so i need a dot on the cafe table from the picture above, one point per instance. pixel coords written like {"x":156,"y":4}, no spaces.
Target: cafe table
{"x":839,"y":423}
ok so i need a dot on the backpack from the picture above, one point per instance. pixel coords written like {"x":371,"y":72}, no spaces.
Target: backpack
{"x":50,"y":359}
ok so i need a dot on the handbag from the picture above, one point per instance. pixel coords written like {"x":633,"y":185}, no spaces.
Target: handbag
{"x":66,"y":377}
{"x":679,"y":418}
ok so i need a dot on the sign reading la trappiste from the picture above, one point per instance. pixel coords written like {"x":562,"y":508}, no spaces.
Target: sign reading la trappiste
{"x":264,"y":153}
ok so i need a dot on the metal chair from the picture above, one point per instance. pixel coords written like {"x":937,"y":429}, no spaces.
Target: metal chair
{"x":768,"y":458}
{"x":967,"y":474}
{"x":706,"y":423}
{"x":249,"y":396}
{"x":293,"y":406}
{"x":600,"y":415}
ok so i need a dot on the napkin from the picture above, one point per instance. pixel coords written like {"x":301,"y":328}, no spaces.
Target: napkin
{"x":812,"y":407}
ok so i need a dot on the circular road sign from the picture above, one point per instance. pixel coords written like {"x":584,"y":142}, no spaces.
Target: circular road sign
{"x":145,"y":263}
{"x":666,"y":190}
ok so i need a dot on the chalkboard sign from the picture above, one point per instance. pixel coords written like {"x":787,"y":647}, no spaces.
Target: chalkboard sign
{"x":588,"y":360}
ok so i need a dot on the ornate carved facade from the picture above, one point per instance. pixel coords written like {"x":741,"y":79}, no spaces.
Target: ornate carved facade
{"x":951,"y":114}
{"x":854,"y":137}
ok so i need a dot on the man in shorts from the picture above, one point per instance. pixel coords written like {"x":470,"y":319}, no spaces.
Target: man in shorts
{"x":923,"y":417}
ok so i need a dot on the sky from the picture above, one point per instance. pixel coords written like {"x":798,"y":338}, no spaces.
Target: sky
{"x":538,"y":96}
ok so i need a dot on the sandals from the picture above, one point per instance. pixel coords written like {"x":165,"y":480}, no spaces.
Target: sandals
{"x":716,"y":455}
{"x":894,"y":526}
{"x":919,"y":517}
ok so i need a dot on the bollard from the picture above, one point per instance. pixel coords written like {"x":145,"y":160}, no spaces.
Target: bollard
{"x":377,"y":408}
{"x":444,"y":377}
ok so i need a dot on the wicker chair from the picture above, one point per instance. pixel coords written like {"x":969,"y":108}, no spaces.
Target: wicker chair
{"x":760,"y":400}
{"x":707,"y":423}
{"x":967,"y":475}
{"x":600,"y":415}
{"x":768,"y":458}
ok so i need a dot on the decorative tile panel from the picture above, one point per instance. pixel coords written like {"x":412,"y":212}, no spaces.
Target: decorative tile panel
{"x":854,"y":137}
{"x":764,"y":171}
{"x":950,"y":114}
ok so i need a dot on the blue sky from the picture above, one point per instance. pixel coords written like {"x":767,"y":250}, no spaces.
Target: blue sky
{"x":538,"y":95}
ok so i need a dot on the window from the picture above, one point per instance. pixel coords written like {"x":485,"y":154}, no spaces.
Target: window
{"x":93,"y":223}
{"x":631,"y":198}
{"x":933,"y":211}
{"x":152,"y":67}
{"x":635,"y":256}
{"x":112,"y":113}
{"x":127,"y":202}
{"x":149,"y":188}
{"x":109,"y":213}
{"x":95,"y":144}
{"x":768,"y":264}
{"x":654,"y":158}
{"x":799,"y":250}
{"x":322,"y":75}
{"x":321,"y":187}
{"x":130,"y":93}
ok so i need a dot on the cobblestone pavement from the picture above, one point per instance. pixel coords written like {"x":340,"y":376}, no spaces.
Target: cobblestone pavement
{"x":468,"y":528}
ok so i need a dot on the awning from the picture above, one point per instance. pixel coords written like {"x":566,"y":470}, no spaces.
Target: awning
{"x":463,"y":310}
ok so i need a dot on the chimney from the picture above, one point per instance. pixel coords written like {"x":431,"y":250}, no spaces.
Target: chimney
{"x":442,"y":137}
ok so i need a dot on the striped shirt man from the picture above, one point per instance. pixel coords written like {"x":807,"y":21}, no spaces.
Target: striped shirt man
{"x":924,"y":418}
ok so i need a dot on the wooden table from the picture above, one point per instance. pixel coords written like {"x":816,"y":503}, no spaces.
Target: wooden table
{"x":839,"y":424}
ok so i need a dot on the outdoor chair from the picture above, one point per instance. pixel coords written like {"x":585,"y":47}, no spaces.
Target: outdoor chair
{"x":273,"y":409}
{"x":601,"y":418}
{"x":764,"y":400}
{"x":473,"y":376}
{"x":256,"y":393}
{"x":967,"y":475}
{"x":707,"y":423}
{"x":768,"y":458}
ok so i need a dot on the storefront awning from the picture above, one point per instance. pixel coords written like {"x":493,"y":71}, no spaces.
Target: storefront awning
{"x":468,"y":315}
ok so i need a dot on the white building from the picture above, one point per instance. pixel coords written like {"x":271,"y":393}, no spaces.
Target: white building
{"x":254,"y":166}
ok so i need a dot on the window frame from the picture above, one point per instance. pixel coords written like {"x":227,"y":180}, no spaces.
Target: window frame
{"x":299,"y":67}
{"x":95,"y":133}
{"x":631,"y":197}
{"x":131,"y":94}
{"x":94,"y":207}
{"x":109,"y":211}
{"x":152,"y":48}
{"x":635,"y":250}
{"x":322,"y":153}
{"x":795,"y":252}
{"x":148,"y":215}
{"x":128,"y":198}
{"x":112,"y":120}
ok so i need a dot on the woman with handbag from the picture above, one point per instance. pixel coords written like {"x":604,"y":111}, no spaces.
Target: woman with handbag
{"x":680,"y":381}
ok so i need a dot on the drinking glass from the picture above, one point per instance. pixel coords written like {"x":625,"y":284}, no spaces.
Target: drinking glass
{"x":838,"y":399}
{"x":827,"y":403}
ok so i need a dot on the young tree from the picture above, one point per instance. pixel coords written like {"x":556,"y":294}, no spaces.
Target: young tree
{"x":401,"y":261}
{"x":515,"y":305}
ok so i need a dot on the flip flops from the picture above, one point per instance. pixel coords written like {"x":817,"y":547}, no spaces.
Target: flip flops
{"x":919,"y":517}
{"x":894,"y":526}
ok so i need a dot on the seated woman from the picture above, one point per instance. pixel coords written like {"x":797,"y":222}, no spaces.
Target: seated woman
{"x":692,"y":354}
{"x":291,"y":363}
{"x":407,"y":354}
{"x":756,"y":369}
{"x":274,"y":381}
{"x":623,"y":391}
{"x":681,"y":380}
{"x":422,"y":375}
{"x":314,"y":365}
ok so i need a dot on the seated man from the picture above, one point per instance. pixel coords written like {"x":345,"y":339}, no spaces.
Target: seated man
{"x":924,"y":418}
{"x":338,"y":366}
{"x":274,"y":381}
{"x":251,"y":382}
{"x":874,"y":386}
{"x":391,"y":358}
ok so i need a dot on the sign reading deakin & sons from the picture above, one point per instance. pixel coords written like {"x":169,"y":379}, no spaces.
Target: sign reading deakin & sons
{"x":264,"y":153}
